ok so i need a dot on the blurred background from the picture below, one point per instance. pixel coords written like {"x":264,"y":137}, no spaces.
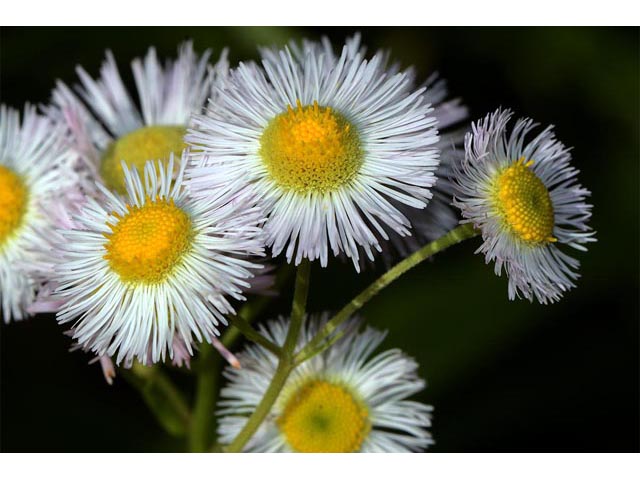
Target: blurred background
{"x":502,"y":376}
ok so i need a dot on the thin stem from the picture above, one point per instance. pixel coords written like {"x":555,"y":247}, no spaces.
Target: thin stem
{"x":324,"y":345}
{"x":252,"y":334}
{"x":263,"y":408}
{"x":253,"y":309}
{"x":300,"y":295}
{"x":162,"y":397}
{"x":285,"y":362}
{"x":316,"y":345}
{"x":203,"y":425}
{"x":202,"y":420}
{"x":173,"y":394}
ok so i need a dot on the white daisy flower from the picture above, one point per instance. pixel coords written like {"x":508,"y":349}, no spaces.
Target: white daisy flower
{"x":107,"y":126}
{"x":35,"y":175}
{"x":138,"y":274}
{"x":328,"y":142}
{"x":342,"y":400}
{"x":525,"y":199}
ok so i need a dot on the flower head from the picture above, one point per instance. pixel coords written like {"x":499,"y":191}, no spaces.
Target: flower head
{"x":342,"y":400}
{"x":36,"y":176}
{"x":329,"y":143}
{"x":138,"y":273}
{"x":525,"y":199}
{"x":107,"y":126}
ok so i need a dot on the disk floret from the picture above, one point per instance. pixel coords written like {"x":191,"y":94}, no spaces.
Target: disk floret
{"x":13,"y":202}
{"x":524,"y":203}
{"x":148,"y":241}
{"x":311,"y":149}
{"x":324,"y":417}
{"x":135,"y":148}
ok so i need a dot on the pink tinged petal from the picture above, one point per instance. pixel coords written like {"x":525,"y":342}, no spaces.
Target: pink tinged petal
{"x":181,"y":355}
{"x":108,"y":370}
{"x":45,"y":306}
{"x":226,"y":354}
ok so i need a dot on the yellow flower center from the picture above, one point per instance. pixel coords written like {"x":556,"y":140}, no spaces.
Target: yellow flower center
{"x":13,"y":202}
{"x":524,"y":204}
{"x":135,"y":148}
{"x":323,"y":417}
{"x":311,"y":149}
{"x":149,"y":241}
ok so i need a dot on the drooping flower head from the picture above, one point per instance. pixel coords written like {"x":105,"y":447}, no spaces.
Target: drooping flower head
{"x":139,"y":273}
{"x":344,"y":399}
{"x":525,"y":199}
{"x":327,"y":141}
{"x":108,"y":126}
{"x":36,"y":175}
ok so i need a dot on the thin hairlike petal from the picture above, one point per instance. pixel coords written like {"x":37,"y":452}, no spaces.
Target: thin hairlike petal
{"x":440,"y":216}
{"x":99,"y":112}
{"x":395,"y":130}
{"x":381,"y":384}
{"x":153,"y":318}
{"x":536,"y":269}
{"x":37,"y":178}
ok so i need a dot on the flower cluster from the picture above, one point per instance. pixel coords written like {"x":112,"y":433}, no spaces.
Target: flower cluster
{"x":145,"y":225}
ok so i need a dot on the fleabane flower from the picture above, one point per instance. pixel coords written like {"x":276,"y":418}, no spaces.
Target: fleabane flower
{"x":525,"y":199}
{"x":107,"y":125}
{"x":139,"y":273}
{"x":36,"y":174}
{"x":329,"y":143}
{"x":345,"y":399}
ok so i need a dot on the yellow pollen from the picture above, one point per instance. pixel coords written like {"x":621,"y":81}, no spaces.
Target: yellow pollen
{"x":13,"y":202}
{"x":311,"y":149}
{"x":324,"y":417}
{"x":135,"y":148}
{"x":524,"y":204}
{"x":149,"y":241}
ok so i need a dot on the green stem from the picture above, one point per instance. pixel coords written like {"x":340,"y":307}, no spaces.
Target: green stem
{"x":251,"y":334}
{"x":299,"y":306}
{"x":253,"y":309}
{"x":299,"y":358}
{"x":316,"y":344}
{"x":162,"y":397}
{"x":263,"y":408}
{"x":203,"y":419}
{"x":285,"y":362}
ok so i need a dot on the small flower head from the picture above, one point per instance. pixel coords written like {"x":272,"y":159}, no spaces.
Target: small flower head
{"x":108,"y":127}
{"x":342,"y":400}
{"x":331,"y":143}
{"x":525,"y":199}
{"x":36,"y":177}
{"x":141,"y":275}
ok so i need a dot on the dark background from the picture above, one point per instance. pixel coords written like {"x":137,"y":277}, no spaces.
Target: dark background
{"x":503,"y":376}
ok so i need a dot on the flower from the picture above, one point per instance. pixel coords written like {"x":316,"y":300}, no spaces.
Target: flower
{"x":341,"y":400}
{"x":36,"y":175}
{"x":138,"y":274}
{"x":327,"y":142}
{"x":525,"y":200}
{"x":108,"y":127}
